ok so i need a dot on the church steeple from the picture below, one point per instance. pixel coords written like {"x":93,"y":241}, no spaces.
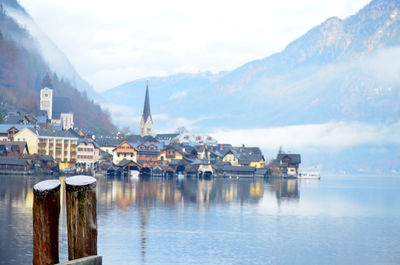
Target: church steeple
{"x":146,"y":108}
{"x":146,"y":123}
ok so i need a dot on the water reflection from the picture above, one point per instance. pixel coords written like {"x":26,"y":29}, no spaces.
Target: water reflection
{"x":130,"y":196}
{"x":285,"y":189}
{"x":146,"y":193}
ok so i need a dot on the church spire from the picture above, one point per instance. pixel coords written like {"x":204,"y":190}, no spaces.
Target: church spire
{"x":146,"y":108}
{"x":146,"y":123}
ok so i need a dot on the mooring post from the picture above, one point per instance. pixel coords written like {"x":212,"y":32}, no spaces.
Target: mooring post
{"x":81,"y":216}
{"x":46,"y":213}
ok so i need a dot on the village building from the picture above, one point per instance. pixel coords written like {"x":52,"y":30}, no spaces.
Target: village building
{"x":239,"y":171}
{"x":250,"y":156}
{"x":124,"y":151}
{"x":58,"y":109}
{"x":146,"y":123}
{"x":148,"y":152}
{"x":108,"y":144}
{"x":14,"y":149}
{"x":14,"y":164}
{"x":7,"y":131}
{"x":168,"y":138}
{"x":289,"y":163}
{"x":231,"y":157}
{"x":196,"y":139}
{"x":169,"y":153}
{"x":87,"y":154}
{"x":61,"y":145}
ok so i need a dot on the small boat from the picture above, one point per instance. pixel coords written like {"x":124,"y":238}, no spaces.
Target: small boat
{"x":309,"y":175}
{"x":134,"y":174}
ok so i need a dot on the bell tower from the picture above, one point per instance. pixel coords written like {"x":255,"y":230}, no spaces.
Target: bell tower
{"x":146,"y":123}
{"x":46,"y":96}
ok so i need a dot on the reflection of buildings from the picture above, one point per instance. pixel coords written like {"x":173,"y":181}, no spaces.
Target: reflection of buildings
{"x":285,"y":189}
{"x":172,"y":193}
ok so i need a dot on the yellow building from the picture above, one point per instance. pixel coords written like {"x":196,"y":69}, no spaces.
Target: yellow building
{"x":231,"y":158}
{"x":61,"y":145}
{"x":27,"y":135}
{"x":258,"y":164}
{"x":170,"y":153}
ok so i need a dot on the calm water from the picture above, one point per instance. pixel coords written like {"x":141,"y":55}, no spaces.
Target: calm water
{"x":338,"y":220}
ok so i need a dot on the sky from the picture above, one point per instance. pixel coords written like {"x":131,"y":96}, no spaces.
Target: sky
{"x":114,"y":42}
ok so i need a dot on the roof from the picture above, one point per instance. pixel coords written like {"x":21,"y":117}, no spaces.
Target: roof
{"x":166,"y":136}
{"x":52,"y":133}
{"x":146,"y":108}
{"x":46,"y":157}
{"x":5,"y":127}
{"x":148,"y":152}
{"x":12,"y":161}
{"x":46,"y":82}
{"x":294,"y":158}
{"x":125,"y":162}
{"x":238,"y":169}
{"x":87,"y":141}
{"x":41,"y":119}
{"x":61,"y":105}
{"x":159,"y":146}
{"x":14,"y":119}
{"x":111,"y":142}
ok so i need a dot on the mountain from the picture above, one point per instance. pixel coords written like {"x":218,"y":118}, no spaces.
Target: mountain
{"x":25,"y":58}
{"x":343,"y":70}
{"x":333,"y":72}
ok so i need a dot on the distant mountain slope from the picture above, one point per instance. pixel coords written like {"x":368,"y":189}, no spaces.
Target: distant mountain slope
{"x":340,"y":70}
{"x":53,"y":57}
{"x":22,"y":67}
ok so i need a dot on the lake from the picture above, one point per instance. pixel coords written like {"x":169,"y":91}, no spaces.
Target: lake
{"x":337,"y":220}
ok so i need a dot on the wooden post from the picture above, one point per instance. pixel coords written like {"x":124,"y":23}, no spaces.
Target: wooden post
{"x":81,"y":216}
{"x":46,"y":213}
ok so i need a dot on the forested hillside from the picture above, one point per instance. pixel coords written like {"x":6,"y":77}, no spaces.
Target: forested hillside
{"x":21,"y":74}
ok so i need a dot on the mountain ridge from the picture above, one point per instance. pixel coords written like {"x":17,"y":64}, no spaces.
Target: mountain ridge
{"x":304,"y":73}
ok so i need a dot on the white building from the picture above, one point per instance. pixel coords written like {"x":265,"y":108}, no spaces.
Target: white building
{"x":59,"y":109}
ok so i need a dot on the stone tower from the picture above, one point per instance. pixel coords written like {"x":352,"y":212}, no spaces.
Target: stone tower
{"x":146,"y":123}
{"x":46,"y":96}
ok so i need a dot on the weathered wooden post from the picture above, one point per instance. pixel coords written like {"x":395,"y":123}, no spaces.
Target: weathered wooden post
{"x":81,"y":216}
{"x":46,"y":213}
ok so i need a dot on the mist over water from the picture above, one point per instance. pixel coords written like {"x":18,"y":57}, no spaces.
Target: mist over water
{"x":338,"y":220}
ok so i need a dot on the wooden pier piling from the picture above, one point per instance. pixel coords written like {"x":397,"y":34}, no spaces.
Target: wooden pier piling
{"x":81,"y":216}
{"x":46,"y":213}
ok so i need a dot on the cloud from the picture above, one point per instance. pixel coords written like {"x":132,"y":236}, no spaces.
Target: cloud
{"x":331,"y":137}
{"x":178,"y":95}
{"x":171,"y":36}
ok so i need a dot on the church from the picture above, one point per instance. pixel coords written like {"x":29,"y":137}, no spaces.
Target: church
{"x":58,"y":109}
{"x":146,"y":123}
